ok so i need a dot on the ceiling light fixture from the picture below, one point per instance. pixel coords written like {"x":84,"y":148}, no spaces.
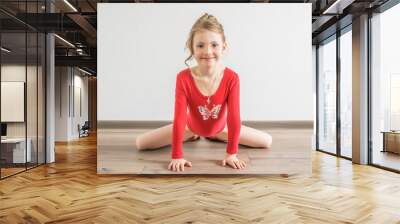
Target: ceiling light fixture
{"x":338,"y":6}
{"x":64,"y":40}
{"x":79,"y":51}
{"x":70,"y":5}
{"x":84,"y":71}
{"x":5,"y":49}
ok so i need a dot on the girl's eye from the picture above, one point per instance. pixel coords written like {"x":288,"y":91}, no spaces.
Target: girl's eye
{"x":215,"y":45}
{"x":199,"y":46}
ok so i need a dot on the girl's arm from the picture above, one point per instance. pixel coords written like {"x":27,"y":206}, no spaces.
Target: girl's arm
{"x":233,"y":117}
{"x":180,"y":115}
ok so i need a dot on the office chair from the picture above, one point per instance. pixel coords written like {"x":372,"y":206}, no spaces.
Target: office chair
{"x":84,"y":130}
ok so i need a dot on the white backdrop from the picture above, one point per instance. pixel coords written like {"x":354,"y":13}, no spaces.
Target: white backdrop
{"x":141,"y":47}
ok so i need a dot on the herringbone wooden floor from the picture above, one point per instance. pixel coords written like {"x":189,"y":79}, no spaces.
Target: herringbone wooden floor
{"x":70,"y":191}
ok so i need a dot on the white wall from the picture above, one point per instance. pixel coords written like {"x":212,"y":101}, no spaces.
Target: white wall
{"x":18,"y":73}
{"x":33,"y":125}
{"x":66,"y":119}
{"x":141,"y":49}
{"x":61,"y":103}
{"x":79,"y":117}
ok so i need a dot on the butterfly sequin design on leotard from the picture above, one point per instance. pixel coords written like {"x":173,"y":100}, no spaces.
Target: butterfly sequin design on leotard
{"x":206,"y":113}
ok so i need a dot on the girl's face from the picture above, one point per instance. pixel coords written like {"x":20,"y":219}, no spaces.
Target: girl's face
{"x":208,"y":48}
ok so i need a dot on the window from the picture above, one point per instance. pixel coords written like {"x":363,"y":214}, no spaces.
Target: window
{"x":385,"y":88}
{"x":346,"y":93}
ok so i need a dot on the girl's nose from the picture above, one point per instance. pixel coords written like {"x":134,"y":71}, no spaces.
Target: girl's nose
{"x":208,"y":50}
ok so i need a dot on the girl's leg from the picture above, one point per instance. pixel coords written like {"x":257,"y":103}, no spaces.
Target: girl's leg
{"x":160,"y":137}
{"x":249,"y":137}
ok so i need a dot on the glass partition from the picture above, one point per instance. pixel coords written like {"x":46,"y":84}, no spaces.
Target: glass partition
{"x":22,"y":77}
{"x":13,"y":94}
{"x":327,"y":95}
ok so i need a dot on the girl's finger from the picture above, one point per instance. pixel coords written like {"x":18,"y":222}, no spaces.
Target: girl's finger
{"x":240,"y":165}
{"x":223,"y":162}
{"x":182,"y":165}
{"x":169,"y":166}
{"x":233,"y":164}
{"x":237,"y":162}
{"x":176,"y":167}
{"x":189,"y":164}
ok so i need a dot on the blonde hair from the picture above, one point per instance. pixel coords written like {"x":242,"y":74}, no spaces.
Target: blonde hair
{"x":205,"y":22}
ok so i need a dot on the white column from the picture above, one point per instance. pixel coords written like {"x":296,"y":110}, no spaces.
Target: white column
{"x":315,"y":103}
{"x":50,"y":82}
{"x":50,"y":110}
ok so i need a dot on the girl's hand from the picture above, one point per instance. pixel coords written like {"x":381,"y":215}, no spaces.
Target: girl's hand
{"x":233,"y":161}
{"x":179,"y":164}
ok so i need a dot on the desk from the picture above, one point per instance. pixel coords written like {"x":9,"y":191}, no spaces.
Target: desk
{"x":391,"y":141}
{"x":15,"y":148}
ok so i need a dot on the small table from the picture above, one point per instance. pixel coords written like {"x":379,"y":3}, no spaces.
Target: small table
{"x":391,"y":141}
{"x":13,"y":150}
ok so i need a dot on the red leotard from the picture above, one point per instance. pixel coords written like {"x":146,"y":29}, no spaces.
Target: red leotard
{"x":192,"y":109}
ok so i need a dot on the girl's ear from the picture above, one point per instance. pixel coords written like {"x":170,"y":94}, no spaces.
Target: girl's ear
{"x":224,"y":47}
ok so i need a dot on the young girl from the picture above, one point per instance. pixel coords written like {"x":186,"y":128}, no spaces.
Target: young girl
{"x":211,"y":93}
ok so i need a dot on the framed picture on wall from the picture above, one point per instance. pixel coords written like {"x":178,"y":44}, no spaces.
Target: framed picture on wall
{"x":12,"y":101}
